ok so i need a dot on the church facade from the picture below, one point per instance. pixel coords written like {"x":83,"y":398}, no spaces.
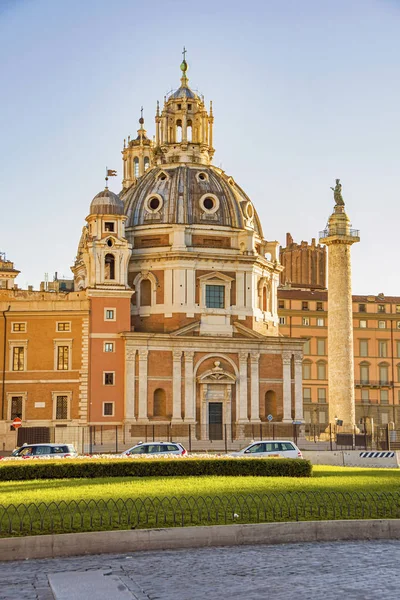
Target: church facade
{"x":182,"y":286}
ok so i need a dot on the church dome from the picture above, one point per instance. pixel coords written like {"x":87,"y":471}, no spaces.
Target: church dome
{"x":189,"y":194}
{"x":106,"y":203}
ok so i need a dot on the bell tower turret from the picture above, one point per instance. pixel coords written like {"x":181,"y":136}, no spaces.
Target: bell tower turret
{"x":137,"y":155}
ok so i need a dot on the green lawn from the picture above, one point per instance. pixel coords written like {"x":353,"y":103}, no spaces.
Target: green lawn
{"x":120,"y":503}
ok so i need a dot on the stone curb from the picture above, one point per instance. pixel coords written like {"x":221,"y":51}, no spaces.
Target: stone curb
{"x":98,"y":542}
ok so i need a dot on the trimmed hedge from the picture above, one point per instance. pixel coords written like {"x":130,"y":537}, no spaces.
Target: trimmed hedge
{"x":70,"y":469}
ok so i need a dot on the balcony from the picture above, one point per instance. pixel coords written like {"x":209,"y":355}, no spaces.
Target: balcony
{"x":373,"y":384}
{"x":339,"y":231}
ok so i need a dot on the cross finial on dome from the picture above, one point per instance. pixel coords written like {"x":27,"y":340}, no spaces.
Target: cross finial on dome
{"x":184,"y":68}
{"x":141,"y":120}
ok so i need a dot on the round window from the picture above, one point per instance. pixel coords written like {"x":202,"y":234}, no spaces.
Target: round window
{"x":154,"y":203}
{"x":250,"y":211}
{"x":208,"y":203}
{"x":202,"y":176}
{"x":163,"y":177}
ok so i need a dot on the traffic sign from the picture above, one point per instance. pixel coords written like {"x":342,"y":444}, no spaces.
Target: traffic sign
{"x":17,"y":422}
{"x":270,"y":417}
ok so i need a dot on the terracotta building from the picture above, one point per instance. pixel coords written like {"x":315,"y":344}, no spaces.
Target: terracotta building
{"x":303,"y":312}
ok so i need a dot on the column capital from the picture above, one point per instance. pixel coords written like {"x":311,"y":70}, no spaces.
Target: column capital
{"x":286,"y":358}
{"x":143,"y":354}
{"x":254,"y":356}
{"x":130,"y":353}
{"x":177,"y":355}
{"x":243,"y":355}
{"x":298,"y":357}
{"x":189,"y":354}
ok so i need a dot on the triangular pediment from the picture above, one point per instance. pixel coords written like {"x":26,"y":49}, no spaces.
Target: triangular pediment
{"x":215,"y":276}
{"x":246,"y":332}
{"x":187,"y":329}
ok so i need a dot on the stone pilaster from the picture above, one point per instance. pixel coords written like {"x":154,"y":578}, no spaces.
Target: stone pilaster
{"x":287,"y":387}
{"x":176,"y":386}
{"x":142,"y":409}
{"x":298,"y":387}
{"x":242,"y":416}
{"x":255,"y":387}
{"x":130,"y":360}
{"x":190,"y":409}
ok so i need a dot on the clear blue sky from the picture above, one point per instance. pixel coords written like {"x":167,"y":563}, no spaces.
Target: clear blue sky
{"x":304,"y":91}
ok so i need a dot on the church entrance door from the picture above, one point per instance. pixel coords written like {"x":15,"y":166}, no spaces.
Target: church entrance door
{"x":215,"y":420}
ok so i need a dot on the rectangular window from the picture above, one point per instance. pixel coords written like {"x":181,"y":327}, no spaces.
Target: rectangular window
{"x":16,"y":407}
{"x":109,"y":314}
{"x":382,"y":348}
{"x":363,"y":324}
{"x":108,"y":346}
{"x":321,"y":347}
{"x":322,"y":395}
{"x":307,"y":394}
{"x":398,"y":308}
{"x":62,"y":358}
{"x":398,"y":349}
{"x":320,"y":306}
{"x":282,"y":320}
{"x":108,"y":409}
{"x":306,"y":347}
{"x":381,"y":324}
{"x":321,"y":370}
{"x":306,"y":370}
{"x":364,"y":373}
{"x":362,"y":308}
{"x":304,"y":305}
{"x":108,"y":378}
{"x":381,"y":308}
{"x":398,"y":325}
{"x":320,"y":322}
{"x":363,"y":347}
{"x":20,"y":327}
{"x":281,"y":304}
{"x":215,"y":296}
{"x":62,"y":407}
{"x":306,"y":321}
{"x":65,"y":326}
{"x":109,"y":226}
{"x":384,"y":396}
{"x":365,"y":396}
{"x":18,"y":358}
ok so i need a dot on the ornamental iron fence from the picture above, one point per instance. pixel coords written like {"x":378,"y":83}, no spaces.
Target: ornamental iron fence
{"x":96,"y":515}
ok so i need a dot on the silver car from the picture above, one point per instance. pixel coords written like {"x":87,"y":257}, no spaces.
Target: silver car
{"x":270,"y":448}
{"x":156,"y":448}
{"x":44,"y":450}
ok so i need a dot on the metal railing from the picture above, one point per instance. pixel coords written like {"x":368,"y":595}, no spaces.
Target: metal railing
{"x":92,"y":515}
{"x":374,"y":383}
{"x":339,"y":231}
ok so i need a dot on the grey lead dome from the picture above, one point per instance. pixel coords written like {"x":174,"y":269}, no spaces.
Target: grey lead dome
{"x":106,"y":203}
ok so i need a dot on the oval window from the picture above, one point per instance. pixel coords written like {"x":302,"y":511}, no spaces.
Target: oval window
{"x":154,"y":203}
{"x":110,"y":243}
{"x":250,"y":211}
{"x":202,"y":176}
{"x":208,"y":203}
{"x":163,"y":177}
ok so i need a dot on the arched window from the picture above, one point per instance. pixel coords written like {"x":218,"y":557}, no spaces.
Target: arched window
{"x":109,"y":266}
{"x":159,"y":403}
{"x":145,"y":292}
{"x":321,"y":370}
{"x":265,"y":299}
{"x":383,"y":374}
{"x":270,"y":403}
{"x":189,"y":131}
{"x":146,"y":163}
{"x":136,"y":167}
{"x":364,"y":372}
{"x":179,"y":131}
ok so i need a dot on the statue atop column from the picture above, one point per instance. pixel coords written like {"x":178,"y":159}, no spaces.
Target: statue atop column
{"x":337,"y":193}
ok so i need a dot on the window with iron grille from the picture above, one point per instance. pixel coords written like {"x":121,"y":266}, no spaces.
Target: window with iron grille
{"x":215,"y":296}
{"x":62,"y":407}
{"x":108,"y":409}
{"x":62,"y":358}
{"x":16,"y":407}
{"x":18,"y":358}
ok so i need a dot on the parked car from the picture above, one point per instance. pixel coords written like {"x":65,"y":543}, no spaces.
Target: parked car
{"x":44,"y":450}
{"x":270,"y":448}
{"x":158,"y":448}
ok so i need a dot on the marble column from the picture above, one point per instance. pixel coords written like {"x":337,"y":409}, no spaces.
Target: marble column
{"x":298,"y":386}
{"x":242,"y":415}
{"x":142,"y":411}
{"x":255,"y":387}
{"x":130,"y":359}
{"x":190,"y":404}
{"x":287,"y":387}
{"x":176,"y":386}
